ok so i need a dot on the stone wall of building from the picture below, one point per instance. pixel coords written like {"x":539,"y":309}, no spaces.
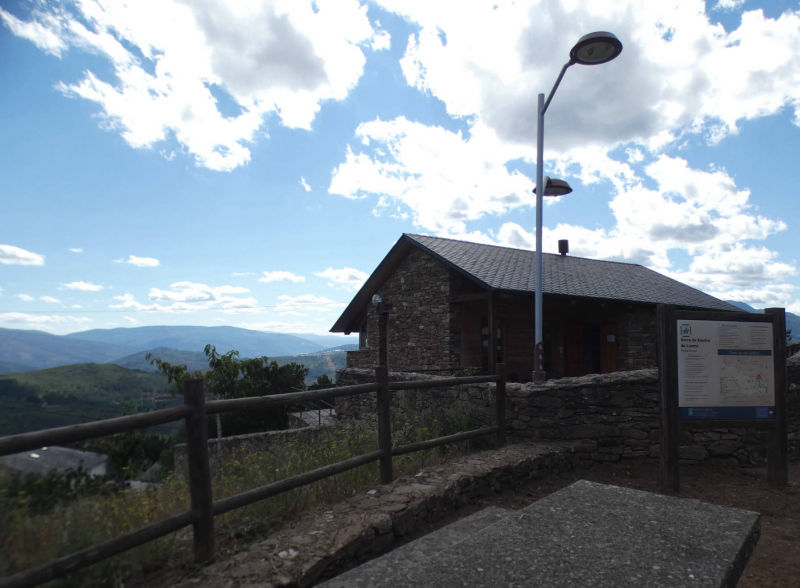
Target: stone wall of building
{"x":637,"y":338}
{"x":419,"y":322}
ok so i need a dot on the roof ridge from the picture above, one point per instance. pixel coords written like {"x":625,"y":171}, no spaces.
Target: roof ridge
{"x":628,"y":263}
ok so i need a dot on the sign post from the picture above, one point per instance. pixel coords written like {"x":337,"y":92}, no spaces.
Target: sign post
{"x":722,"y":369}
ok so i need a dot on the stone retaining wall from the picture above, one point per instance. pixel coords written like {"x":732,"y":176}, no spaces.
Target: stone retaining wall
{"x":617,"y":416}
{"x":478,"y":399}
{"x":337,"y":537}
{"x":219,"y":451}
{"x":610,"y":417}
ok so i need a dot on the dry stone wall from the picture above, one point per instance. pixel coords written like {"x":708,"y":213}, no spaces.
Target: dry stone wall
{"x":608,"y":417}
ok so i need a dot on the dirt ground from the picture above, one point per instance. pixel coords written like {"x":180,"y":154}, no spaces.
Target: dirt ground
{"x":776,"y":560}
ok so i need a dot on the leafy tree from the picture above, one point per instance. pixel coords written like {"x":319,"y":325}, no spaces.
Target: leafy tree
{"x":229,"y":376}
{"x":323,"y":381}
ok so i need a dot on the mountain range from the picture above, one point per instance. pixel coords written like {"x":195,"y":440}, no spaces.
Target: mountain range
{"x":792,"y":320}
{"x":22,"y":350}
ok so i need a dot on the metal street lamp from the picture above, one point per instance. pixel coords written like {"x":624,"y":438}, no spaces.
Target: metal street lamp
{"x":592,"y":49}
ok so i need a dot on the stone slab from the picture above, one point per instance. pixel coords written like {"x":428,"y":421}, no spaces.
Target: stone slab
{"x":587,"y":534}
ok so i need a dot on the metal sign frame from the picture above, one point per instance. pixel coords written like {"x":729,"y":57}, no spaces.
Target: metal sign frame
{"x":771,"y":418}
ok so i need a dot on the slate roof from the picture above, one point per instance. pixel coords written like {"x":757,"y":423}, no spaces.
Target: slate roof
{"x":45,"y":459}
{"x":512,"y":270}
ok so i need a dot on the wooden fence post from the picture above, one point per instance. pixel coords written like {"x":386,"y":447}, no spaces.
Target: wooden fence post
{"x":500,"y":403}
{"x":777,"y":444}
{"x":384,"y":423}
{"x":384,"y":396}
{"x":199,"y":471}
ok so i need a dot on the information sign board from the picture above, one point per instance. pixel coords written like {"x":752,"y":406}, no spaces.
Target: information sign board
{"x":725,"y":370}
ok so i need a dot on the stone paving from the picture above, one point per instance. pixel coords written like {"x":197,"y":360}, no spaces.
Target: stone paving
{"x":330,"y":540}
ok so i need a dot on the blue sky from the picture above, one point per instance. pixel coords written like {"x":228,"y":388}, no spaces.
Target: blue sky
{"x":250,"y":163}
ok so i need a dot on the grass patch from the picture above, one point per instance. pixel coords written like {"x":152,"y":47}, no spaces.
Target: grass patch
{"x":29,"y":539}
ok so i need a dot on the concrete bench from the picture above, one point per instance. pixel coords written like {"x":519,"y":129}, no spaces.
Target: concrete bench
{"x":587,"y":534}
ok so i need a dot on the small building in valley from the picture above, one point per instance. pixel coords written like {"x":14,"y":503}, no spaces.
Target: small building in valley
{"x":460,"y":306}
{"x":60,"y":459}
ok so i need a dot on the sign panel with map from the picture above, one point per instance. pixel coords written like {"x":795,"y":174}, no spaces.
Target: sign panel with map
{"x":725,"y":370}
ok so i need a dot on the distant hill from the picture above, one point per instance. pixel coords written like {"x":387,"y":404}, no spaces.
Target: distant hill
{"x":329,"y":341}
{"x":323,"y":362}
{"x":77,"y":393}
{"x":193,"y":360}
{"x":22,"y":351}
{"x":33,"y":350}
{"x":83,"y":392}
{"x":792,"y":320}
{"x":248,"y":343}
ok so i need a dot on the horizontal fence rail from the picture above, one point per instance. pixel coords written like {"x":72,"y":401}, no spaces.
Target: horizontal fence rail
{"x":194,"y":412}
{"x":84,"y":431}
{"x":288,"y":398}
{"x":96,"y":553}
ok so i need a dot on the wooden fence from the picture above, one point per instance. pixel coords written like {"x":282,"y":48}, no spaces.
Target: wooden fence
{"x":203,"y":507}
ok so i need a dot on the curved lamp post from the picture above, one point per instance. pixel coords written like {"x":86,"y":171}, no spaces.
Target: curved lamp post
{"x":592,"y":49}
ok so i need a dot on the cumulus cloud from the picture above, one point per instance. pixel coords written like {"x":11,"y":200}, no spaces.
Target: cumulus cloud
{"x":25,"y":297}
{"x":142,"y":261}
{"x":347,"y":277}
{"x":301,"y":305}
{"x":728,"y":5}
{"x":83,"y":286}
{"x":442,"y":177}
{"x":281,"y":276}
{"x":49,"y":299}
{"x":207,"y":74}
{"x":76,"y":250}
{"x":305,"y":185}
{"x":679,"y":76}
{"x":679,"y":72}
{"x":10,"y":255}
{"x":190,"y":297}
{"x":40,"y":321}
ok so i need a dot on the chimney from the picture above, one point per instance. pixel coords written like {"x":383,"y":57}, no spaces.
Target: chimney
{"x":563,"y":246}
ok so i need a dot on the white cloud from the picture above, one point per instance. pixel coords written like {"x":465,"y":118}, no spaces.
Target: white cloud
{"x":49,"y":299}
{"x":207,"y":74}
{"x":44,"y":31}
{"x":40,"y":321}
{"x":443,"y":178}
{"x":76,"y":250}
{"x":305,"y":185}
{"x":281,"y":276}
{"x":190,"y":297}
{"x":10,"y":255}
{"x":381,"y":40}
{"x":83,"y":286}
{"x":143,"y":261}
{"x":347,"y":277}
{"x":301,"y":305}
{"x":25,"y":297}
{"x":678,"y":73}
{"x":728,"y":5}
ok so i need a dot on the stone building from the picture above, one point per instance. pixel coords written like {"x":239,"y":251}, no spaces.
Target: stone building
{"x":459,"y":306}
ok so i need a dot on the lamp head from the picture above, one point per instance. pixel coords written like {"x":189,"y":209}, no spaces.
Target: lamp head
{"x":555,"y":187}
{"x":595,"y":48}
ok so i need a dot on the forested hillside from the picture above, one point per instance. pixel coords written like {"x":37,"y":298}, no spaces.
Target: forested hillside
{"x":77,"y":393}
